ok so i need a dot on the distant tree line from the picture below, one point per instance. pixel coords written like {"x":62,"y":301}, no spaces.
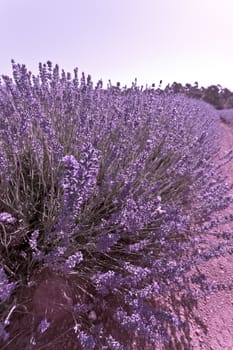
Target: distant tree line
{"x":216,"y":95}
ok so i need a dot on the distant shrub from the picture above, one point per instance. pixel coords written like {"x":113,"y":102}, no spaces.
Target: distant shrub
{"x":109,"y":190}
{"x":226,"y":116}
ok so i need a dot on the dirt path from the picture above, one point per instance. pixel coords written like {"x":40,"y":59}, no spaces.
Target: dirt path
{"x":216,"y":310}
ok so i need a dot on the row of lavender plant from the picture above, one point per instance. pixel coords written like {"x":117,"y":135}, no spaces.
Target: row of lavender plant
{"x":108,"y":184}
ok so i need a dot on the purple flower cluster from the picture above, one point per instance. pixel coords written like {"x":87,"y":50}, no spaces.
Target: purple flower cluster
{"x":43,"y":326}
{"x":114,"y":186}
{"x":6,"y":217}
{"x":5,"y":287}
{"x":78,"y":183}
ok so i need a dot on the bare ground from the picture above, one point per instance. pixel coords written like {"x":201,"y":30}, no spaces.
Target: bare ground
{"x":216,"y":310}
{"x":211,"y":326}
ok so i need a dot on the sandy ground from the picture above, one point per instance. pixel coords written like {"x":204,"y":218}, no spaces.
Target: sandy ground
{"x":216,"y":310}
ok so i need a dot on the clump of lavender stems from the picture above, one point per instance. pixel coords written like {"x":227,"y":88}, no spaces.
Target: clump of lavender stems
{"x":114,"y":185}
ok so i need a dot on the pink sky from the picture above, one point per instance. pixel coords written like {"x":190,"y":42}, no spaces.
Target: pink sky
{"x":172,"y":40}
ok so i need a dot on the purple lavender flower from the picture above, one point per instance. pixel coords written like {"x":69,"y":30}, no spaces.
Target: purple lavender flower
{"x":105,"y":242}
{"x":114,"y":344}
{"x":43,"y":326}
{"x":6,"y":288}
{"x":3,"y":333}
{"x":74,"y":260}
{"x":33,"y":240}
{"x":106,"y":282}
{"x":87,"y":341}
{"x":6,"y":217}
{"x":78,"y":183}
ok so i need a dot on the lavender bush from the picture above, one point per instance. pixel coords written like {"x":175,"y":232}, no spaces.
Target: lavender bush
{"x":110,"y":189}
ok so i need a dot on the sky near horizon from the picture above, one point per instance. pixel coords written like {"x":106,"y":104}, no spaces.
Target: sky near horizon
{"x":151,"y":40}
